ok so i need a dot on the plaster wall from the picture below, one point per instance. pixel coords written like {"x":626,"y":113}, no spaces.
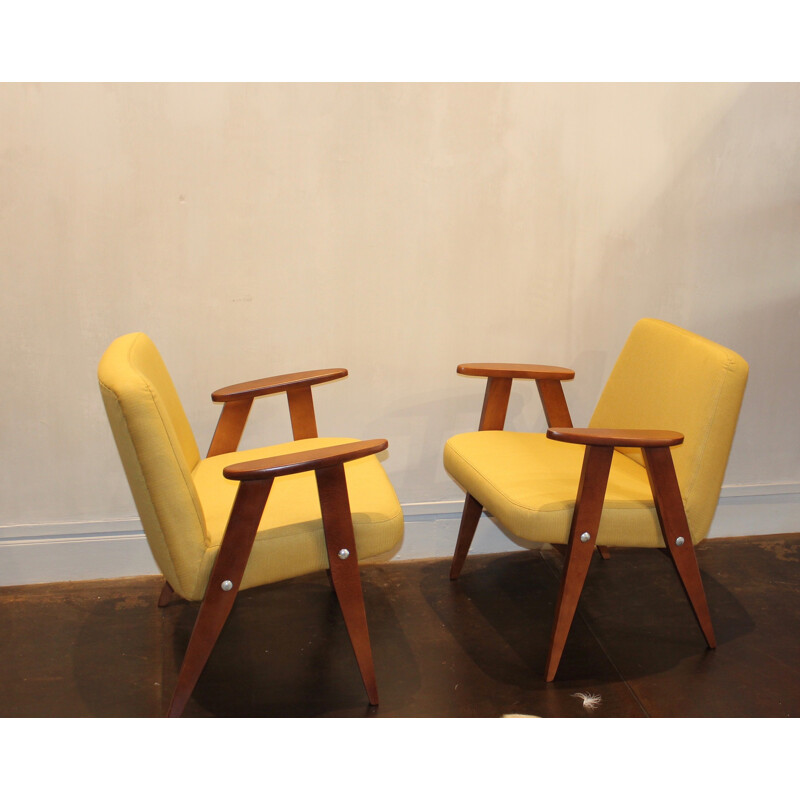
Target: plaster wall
{"x":393,"y":229}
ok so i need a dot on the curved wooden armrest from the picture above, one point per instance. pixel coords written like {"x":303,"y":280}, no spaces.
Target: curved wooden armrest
{"x":613,"y":437}
{"x":239,"y":398}
{"x":522,"y":371}
{"x":498,"y":389}
{"x":275,"y":384}
{"x":292,"y":463}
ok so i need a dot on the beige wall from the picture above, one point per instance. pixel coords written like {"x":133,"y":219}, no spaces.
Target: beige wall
{"x":396,"y":230}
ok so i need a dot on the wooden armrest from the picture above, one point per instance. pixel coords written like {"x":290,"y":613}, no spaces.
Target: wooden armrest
{"x":612,"y":437}
{"x":498,"y":389}
{"x":521,"y":371}
{"x":239,"y":398}
{"x":302,"y":462}
{"x":278,"y":383}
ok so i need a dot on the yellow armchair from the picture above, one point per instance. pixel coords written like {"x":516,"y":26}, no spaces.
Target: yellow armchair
{"x":235,"y":520}
{"x":647,"y":472}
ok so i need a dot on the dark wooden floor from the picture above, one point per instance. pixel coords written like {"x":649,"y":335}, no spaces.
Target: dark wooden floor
{"x":473,"y":648}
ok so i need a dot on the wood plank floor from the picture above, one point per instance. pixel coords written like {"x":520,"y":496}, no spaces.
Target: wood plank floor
{"x":471,"y":648}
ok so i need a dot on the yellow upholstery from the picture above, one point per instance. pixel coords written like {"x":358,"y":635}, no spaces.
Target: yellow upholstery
{"x":290,"y":539}
{"x":665,"y":379}
{"x":528,"y":483}
{"x":668,"y":378}
{"x":184,"y":501}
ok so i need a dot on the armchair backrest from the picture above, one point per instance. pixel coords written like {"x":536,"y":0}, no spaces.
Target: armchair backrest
{"x":158,"y":451}
{"x":670,"y":379}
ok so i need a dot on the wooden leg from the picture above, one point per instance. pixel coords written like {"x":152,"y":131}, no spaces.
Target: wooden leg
{"x":582,"y":539}
{"x":675,"y":529}
{"x":469,"y":523}
{"x":219,"y":598}
{"x":167,"y":593}
{"x":345,"y":576}
{"x":605,"y":553}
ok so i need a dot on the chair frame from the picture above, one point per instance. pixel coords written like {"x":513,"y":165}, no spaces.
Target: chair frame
{"x":255,"y":481}
{"x":599,"y":450}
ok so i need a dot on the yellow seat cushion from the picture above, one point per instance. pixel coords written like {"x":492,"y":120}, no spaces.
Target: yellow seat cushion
{"x":529,"y":482}
{"x":290,"y":539}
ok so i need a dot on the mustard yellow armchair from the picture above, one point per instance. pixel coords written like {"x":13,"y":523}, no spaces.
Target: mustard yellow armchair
{"x":235,"y":520}
{"x":647,"y":472}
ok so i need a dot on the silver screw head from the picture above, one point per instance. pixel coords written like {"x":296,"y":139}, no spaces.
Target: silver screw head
{"x":343,"y":553}
{"x":679,"y":541}
{"x":585,"y":536}
{"x":226,"y":586}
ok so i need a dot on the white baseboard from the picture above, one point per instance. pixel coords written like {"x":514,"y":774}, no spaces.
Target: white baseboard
{"x":74,"y":558}
{"x":105,"y":549}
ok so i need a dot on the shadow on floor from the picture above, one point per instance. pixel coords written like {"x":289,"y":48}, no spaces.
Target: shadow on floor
{"x":470,"y":648}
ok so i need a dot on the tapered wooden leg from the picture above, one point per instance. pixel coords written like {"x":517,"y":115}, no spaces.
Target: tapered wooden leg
{"x":675,"y":529}
{"x":470,"y":517}
{"x":582,"y":540}
{"x":167,"y":593}
{"x":345,"y":576}
{"x":223,"y":586}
